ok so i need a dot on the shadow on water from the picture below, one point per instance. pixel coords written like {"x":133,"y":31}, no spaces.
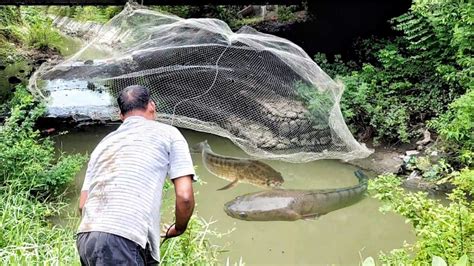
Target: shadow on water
{"x":340,"y":237}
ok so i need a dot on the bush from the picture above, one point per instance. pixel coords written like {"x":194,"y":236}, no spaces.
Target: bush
{"x":446,"y":231}
{"x":87,"y":13}
{"x":456,"y":128}
{"x":31,"y":173}
{"x":411,"y":79}
{"x":26,"y":159}
{"x":286,"y":13}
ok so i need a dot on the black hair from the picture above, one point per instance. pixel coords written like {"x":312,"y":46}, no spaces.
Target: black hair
{"x":133,"y":97}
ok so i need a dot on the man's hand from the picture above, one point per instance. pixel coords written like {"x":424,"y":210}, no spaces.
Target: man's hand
{"x":172,"y":232}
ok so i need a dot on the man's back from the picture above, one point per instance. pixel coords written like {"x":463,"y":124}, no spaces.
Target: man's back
{"x":125,"y":178}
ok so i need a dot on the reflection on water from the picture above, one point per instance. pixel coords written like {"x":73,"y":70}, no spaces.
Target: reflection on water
{"x":340,"y":237}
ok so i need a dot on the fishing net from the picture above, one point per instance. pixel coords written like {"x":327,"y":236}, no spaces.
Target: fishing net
{"x":262,"y":92}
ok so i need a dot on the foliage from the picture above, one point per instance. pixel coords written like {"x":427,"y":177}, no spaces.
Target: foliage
{"x":26,"y":159}
{"x":193,"y":246}
{"x":180,"y":11}
{"x":28,"y":237}
{"x":319,"y":103}
{"x":9,"y":16}
{"x":446,"y":231}
{"x":87,"y":13}
{"x":286,"y":13}
{"x":30,"y":173}
{"x":408,"y":80}
{"x":30,"y":28}
{"x":456,"y":127}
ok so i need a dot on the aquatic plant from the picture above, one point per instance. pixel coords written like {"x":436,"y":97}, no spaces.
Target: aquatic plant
{"x":446,"y":231}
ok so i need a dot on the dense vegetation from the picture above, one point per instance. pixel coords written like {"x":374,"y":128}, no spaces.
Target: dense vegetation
{"x":445,"y":231}
{"x":393,"y":86}
{"x":32,"y":181}
{"x":228,"y":13}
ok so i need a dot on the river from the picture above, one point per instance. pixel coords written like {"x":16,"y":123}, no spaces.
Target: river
{"x":340,"y":237}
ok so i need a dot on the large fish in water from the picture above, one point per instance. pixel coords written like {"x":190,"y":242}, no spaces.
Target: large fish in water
{"x":238,"y":170}
{"x":294,"y":204}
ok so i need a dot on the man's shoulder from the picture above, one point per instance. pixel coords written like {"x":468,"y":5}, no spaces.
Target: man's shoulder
{"x":165,"y":127}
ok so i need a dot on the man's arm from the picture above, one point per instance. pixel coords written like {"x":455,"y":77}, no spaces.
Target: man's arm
{"x":184,"y":205}
{"x":82,"y":200}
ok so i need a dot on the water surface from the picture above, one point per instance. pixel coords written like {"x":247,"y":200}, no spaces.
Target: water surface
{"x":340,"y":237}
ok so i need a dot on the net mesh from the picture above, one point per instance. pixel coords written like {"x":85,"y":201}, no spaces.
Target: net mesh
{"x":262,"y":92}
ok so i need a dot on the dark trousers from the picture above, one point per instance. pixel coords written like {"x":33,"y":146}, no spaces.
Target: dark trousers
{"x":99,"y":248}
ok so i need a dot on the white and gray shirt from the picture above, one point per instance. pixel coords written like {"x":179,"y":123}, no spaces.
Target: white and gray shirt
{"x":125,"y":178}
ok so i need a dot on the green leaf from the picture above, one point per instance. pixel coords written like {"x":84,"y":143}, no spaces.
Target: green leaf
{"x":438,"y":261}
{"x":463,"y":261}
{"x":368,"y":262}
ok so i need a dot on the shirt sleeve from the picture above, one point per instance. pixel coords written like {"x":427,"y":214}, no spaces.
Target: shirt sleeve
{"x":180,"y":162}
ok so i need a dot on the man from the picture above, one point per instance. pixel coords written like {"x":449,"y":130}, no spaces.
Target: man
{"x":121,"y":195}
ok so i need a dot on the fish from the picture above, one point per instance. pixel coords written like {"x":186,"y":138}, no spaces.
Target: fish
{"x":238,"y":170}
{"x":295,"y":204}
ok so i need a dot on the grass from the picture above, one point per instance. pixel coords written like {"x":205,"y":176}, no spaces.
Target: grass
{"x":28,"y":237}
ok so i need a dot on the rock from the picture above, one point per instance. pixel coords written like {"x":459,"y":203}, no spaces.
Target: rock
{"x":426,"y":138}
{"x":281,"y":146}
{"x":304,"y":142}
{"x":412,"y":152}
{"x":414,"y":175}
{"x":324,"y":140}
{"x":294,"y":140}
{"x":291,"y":115}
{"x":293,"y":126}
{"x":284,"y":129}
{"x":89,"y":62}
{"x":381,"y":161}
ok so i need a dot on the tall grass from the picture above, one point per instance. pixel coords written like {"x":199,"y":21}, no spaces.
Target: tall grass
{"x":28,"y":237}
{"x":193,"y":247}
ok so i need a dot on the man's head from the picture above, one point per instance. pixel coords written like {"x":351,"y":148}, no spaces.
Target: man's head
{"x":135,"y":100}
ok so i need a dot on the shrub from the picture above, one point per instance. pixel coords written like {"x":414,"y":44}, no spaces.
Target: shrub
{"x":446,"y":231}
{"x":456,"y":127}
{"x":26,"y":159}
{"x":30,"y":173}
{"x":411,"y":79}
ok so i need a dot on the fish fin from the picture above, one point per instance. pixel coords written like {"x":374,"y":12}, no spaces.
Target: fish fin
{"x":312,"y":217}
{"x":230,"y":185}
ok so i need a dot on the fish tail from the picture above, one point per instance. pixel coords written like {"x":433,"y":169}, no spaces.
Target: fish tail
{"x":361,"y":176}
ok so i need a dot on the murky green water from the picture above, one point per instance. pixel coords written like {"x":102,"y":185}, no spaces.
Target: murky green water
{"x":340,"y":237}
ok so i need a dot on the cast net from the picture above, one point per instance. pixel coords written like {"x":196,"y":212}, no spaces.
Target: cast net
{"x":262,"y":92}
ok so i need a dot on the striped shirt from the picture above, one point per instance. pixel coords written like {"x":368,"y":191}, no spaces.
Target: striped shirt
{"x":125,"y":177}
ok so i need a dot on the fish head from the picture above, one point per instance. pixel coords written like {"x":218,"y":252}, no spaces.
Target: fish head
{"x":199,"y":147}
{"x":274,"y":181}
{"x":258,"y":206}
